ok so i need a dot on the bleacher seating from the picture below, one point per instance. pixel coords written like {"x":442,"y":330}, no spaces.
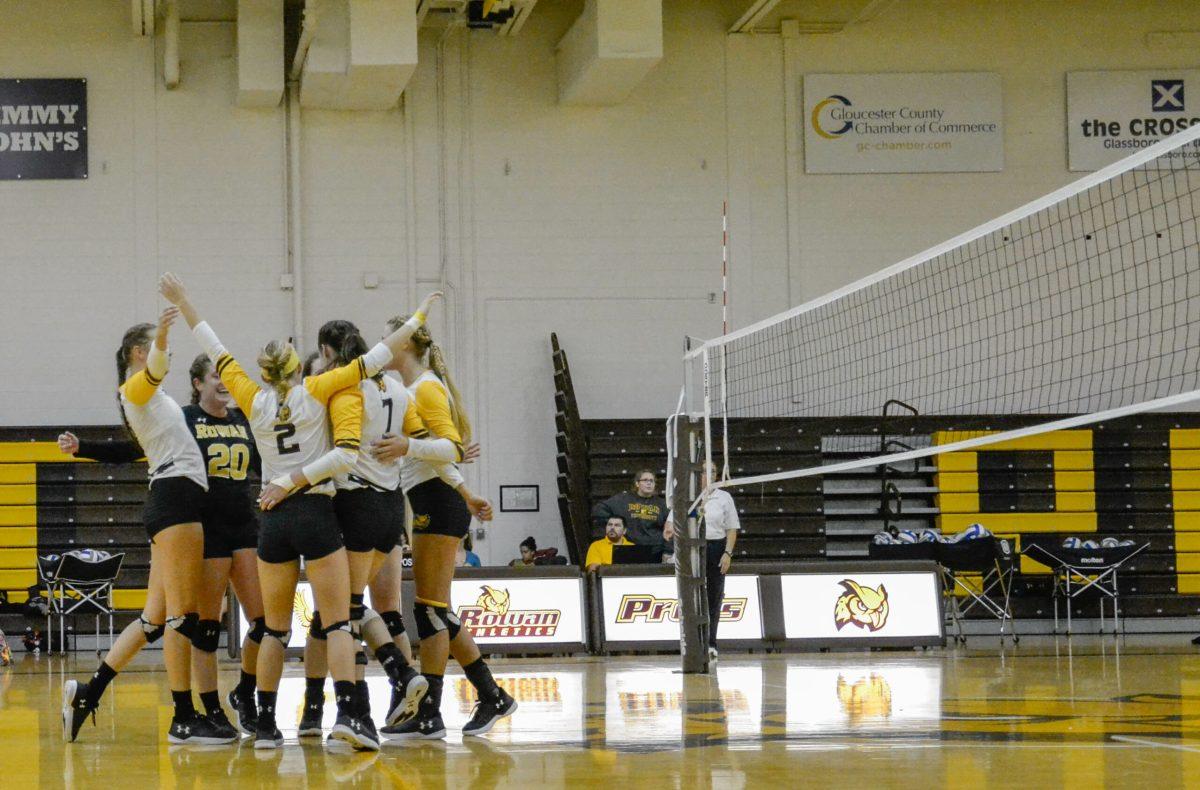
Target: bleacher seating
{"x":51,"y":503}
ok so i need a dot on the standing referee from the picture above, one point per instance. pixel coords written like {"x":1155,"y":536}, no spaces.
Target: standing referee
{"x":719,"y":519}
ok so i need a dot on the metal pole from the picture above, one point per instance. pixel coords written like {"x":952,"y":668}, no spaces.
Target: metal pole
{"x":689,"y":567}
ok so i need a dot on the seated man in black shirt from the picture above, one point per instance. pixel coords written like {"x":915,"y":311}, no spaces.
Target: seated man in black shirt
{"x":643,"y":510}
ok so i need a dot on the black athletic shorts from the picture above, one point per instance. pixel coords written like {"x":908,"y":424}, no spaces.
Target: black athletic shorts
{"x":171,"y":501}
{"x":438,"y":510}
{"x":369,"y":519}
{"x":303,"y":525}
{"x":230,"y":519}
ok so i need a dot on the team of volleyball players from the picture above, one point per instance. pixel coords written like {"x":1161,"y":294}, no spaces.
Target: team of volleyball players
{"x":340,"y":448}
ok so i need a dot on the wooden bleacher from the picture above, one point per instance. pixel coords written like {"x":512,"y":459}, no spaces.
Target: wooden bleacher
{"x":51,"y":503}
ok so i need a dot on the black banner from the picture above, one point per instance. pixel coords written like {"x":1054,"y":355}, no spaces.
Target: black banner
{"x":43,"y":129}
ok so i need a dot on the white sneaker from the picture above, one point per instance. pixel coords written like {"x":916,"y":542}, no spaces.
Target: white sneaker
{"x":712,"y":654}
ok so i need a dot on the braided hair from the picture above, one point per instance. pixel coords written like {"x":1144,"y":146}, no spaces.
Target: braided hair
{"x":273,"y":361}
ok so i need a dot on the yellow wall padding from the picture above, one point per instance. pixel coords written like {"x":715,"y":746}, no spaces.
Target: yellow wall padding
{"x":18,"y":474}
{"x":1019,"y":522}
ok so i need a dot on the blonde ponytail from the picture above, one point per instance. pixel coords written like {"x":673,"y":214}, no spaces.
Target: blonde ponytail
{"x":437,"y":363}
{"x":277,"y":362}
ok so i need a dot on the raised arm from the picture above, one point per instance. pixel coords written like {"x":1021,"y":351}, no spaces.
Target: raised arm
{"x":240,"y":386}
{"x":141,"y":386}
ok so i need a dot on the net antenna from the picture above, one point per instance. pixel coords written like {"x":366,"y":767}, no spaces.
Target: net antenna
{"x":1079,"y":307}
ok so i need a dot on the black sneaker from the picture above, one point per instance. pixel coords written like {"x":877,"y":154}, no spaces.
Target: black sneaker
{"x":197,"y":730}
{"x":356,"y":731}
{"x":422,"y":728}
{"x":221,"y":722}
{"x":75,"y":709}
{"x":407,"y":693}
{"x":245,"y":712}
{"x":310,"y":721}
{"x":488,"y":713}
{"x":267,"y":738}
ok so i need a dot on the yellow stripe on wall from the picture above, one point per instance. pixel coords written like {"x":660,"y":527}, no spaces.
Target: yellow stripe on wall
{"x":1075,"y":501}
{"x":1187,"y":522}
{"x":1185,"y":459}
{"x":1184,"y":479}
{"x":33,"y":452}
{"x":1185,"y":500}
{"x":1187,"y":541}
{"x":1055,"y":440}
{"x":18,"y":537}
{"x":17,"y":515}
{"x":958,"y":503}
{"x":1185,"y":438}
{"x":1073,"y":460}
{"x":1019,"y":522}
{"x":1188,"y":583}
{"x":18,"y":495}
{"x":17,"y":579}
{"x":18,"y":558}
{"x":1072,"y":481}
{"x":18,"y":474}
{"x":1187,"y":563}
{"x":956,"y":482}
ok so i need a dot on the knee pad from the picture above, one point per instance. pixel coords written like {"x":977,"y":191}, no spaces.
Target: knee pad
{"x":341,"y":625}
{"x":394,"y":622}
{"x":283,"y":637}
{"x":315,"y":631}
{"x":259,"y":630}
{"x":453,"y":624}
{"x":430,"y":619}
{"x":357,"y":625}
{"x":208,"y":636}
{"x":152,"y":631}
{"x":186,"y":624}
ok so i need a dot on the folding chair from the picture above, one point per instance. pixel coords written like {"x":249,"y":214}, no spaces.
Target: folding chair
{"x":73,"y":584}
{"x":1078,"y":570}
{"x":994,"y":561}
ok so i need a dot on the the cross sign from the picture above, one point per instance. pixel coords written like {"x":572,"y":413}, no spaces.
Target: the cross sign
{"x":1166,"y":95}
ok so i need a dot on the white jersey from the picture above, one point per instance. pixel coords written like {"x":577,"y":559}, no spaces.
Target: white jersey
{"x":287,"y":446}
{"x":161,"y":430}
{"x":384,"y":405}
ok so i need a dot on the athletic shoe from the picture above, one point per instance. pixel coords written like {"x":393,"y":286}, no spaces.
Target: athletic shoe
{"x":75,"y":709}
{"x":222,"y":725}
{"x":355,"y":731}
{"x":712,"y":653}
{"x":413,"y":685}
{"x":310,"y":722}
{"x":245,"y":711}
{"x":488,"y":713}
{"x":421,"y":728}
{"x":267,"y":738}
{"x":197,"y":730}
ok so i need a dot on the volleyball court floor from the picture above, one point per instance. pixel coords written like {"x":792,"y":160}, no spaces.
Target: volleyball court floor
{"x":1085,"y":712}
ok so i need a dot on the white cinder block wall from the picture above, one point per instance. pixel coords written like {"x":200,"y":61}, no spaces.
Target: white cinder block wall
{"x":601,"y":224}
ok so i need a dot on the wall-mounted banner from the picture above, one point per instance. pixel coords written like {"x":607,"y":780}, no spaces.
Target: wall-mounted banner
{"x":903,"y":123}
{"x":834,"y":606}
{"x":43,"y":129}
{"x":646,"y":609}
{"x":1112,"y":114}
{"x":509,"y":611}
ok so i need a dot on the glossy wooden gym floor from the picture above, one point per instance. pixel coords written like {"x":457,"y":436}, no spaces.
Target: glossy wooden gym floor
{"x":1088,"y":712}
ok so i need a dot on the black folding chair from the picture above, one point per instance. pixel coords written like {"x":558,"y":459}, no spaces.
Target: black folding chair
{"x":75,"y":586}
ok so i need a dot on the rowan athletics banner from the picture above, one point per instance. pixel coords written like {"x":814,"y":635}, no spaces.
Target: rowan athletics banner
{"x":43,"y":129}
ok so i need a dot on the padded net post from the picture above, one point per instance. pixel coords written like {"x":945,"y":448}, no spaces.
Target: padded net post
{"x":689,"y":559}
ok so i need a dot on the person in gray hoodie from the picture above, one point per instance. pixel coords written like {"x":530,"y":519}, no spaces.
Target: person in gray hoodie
{"x":643,"y":508}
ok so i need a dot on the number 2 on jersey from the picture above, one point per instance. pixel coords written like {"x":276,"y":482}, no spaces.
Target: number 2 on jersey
{"x":283,"y":432}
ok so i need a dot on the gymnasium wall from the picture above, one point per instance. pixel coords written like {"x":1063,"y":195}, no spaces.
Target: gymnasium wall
{"x":599,"y":223}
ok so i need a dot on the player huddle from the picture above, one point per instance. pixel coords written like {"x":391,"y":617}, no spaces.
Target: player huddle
{"x":339,"y":450}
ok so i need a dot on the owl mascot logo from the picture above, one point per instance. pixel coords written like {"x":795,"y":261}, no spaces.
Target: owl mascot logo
{"x":493,"y":600}
{"x":865,"y":607}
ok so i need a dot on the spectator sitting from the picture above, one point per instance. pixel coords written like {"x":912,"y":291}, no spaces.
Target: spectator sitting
{"x":642,"y":509}
{"x":528,"y":550}
{"x":466,"y":557}
{"x":601,"y":551}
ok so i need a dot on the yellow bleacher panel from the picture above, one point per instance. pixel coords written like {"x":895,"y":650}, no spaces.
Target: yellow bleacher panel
{"x":956,"y":482}
{"x":17,"y":515}
{"x":1187,"y":563}
{"x":18,"y":537}
{"x":1073,"y":460}
{"x":17,"y":579}
{"x":1187,"y":522}
{"x":32,"y":452}
{"x":18,"y":596}
{"x":18,"y":558}
{"x":1032,"y":566}
{"x":1185,"y":439}
{"x":18,"y":495}
{"x":1019,"y":522}
{"x":1185,"y":479}
{"x":1185,"y":459}
{"x":1075,"y":501}
{"x":18,"y":474}
{"x":1073,"y":481}
{"x":956,"y":462}
{"x":958,"y":503}
{"x":129,"y":599}
{"x":1188,"y":583}
{"x":1186,"y":500}
{"x":1187,"y":541}
{"x":1055,"y":440}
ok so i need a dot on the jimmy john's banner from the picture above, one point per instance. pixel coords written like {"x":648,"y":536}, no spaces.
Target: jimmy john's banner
{"x":839,"y":606}
{"x":903,"y":123}
{"x":43,"y":129}
{"x":527,"y":611}
{"x":646,"y":609}
{"x":1112,"y":114}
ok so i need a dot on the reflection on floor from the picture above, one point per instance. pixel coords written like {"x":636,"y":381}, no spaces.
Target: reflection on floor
{"x":1046,"y":714}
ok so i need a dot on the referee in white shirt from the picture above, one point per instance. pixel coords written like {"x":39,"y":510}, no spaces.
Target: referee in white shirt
{"x":719,"y":517}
